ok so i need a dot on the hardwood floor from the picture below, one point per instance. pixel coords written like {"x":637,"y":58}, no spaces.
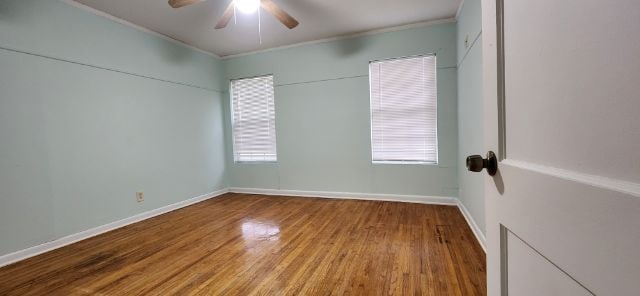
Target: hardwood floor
{"x":241,"y":244}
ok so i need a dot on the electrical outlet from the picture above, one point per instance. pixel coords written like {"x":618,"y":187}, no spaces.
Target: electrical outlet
{"x":140,"y":196}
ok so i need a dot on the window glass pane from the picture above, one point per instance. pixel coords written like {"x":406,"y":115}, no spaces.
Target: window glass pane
{"x":404,"y":110}
{"x":254,"y":124}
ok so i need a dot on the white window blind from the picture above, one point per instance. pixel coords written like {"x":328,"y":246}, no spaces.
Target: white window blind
{"x":254,"y":122}
{"x":404,"y":110}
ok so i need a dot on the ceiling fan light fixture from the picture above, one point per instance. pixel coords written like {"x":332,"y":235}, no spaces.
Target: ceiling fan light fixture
{"x":247,"y":6}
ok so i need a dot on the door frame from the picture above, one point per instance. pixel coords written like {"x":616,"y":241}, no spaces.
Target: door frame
{"x":493,"y":91}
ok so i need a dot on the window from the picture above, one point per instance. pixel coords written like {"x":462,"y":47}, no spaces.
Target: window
{"x":253,"y":119}
{"x":404,"y":110}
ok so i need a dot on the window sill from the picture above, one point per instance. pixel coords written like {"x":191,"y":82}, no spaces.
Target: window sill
{"x":255,"y":162}
{"x":435,"y":164}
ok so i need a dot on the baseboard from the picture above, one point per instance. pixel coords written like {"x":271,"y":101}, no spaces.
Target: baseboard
{"x":482,"y":240}
{"x":439,"y":200}
{"x":70,"y":239}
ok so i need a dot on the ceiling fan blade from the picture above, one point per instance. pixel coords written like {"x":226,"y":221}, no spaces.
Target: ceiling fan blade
{"x":226,"y":16}
{"x":280,"y":14}
{"x":180,"y":3}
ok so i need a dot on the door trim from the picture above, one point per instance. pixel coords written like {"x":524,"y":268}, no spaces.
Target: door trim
{"x":617,"y":185}
{"x":502,"y":120}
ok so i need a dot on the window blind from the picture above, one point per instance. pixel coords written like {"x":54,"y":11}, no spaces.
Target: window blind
{"x":404,"y":110}
{"x":254,"y":123}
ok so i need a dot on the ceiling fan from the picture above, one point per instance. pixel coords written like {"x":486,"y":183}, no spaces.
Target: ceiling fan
{"x":268,"y":5}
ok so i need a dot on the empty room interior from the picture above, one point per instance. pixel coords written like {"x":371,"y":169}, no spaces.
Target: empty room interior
{"x":319,"y":147}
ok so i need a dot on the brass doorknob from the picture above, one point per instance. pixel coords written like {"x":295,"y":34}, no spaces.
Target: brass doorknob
{"x":475,"y":163}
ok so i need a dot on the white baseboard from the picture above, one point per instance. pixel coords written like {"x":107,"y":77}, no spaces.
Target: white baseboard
{"x":70,"y":239}
{"x":482,"y":240}
{"x":439,"y":200}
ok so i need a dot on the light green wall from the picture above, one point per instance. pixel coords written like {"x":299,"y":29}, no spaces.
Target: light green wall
{"x":58,"y":30}
{"x":92,"y":111}
{"x":470,"y":129}
{"x":322,"y":116}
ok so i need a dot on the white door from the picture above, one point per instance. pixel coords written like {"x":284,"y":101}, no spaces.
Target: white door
{"x":562,"y":109}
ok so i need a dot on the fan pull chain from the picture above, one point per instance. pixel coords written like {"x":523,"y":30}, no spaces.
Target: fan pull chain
{"x":259,"y":26}
{"x":235,"y":19}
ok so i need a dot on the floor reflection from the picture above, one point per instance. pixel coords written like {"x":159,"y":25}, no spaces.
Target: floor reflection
{"x":258,"y":230}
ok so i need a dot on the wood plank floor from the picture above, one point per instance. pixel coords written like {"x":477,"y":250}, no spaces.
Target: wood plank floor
{"x":241,"y":244}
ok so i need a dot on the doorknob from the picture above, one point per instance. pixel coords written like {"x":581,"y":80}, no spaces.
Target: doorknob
{"x":475,"y":163}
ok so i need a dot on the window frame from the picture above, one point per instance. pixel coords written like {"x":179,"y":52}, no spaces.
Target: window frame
{"x":232,"y":117}
{"x":437,"y":144}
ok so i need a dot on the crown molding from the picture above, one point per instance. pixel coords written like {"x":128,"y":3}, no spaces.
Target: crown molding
{"x":139,"y":28}
{"x":459,"y":10}
{"x":347,"y":36}
{"x":316,"y":41}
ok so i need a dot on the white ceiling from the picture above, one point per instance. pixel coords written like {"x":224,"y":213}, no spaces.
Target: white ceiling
{"x":319,"y":19}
